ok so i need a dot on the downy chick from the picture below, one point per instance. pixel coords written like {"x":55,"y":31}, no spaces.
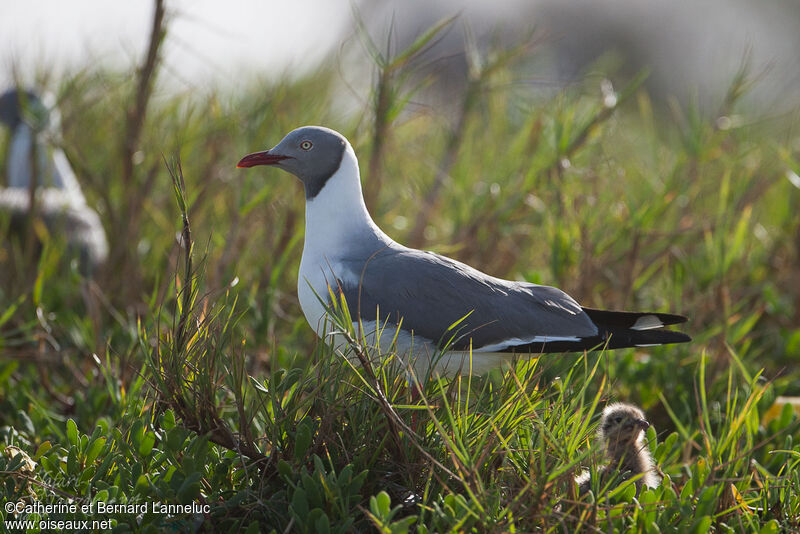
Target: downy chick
{"x":621,"y":432}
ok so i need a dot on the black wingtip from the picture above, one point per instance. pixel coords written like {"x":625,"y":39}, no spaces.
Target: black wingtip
{"x":613,"y":320}
{"x":617,"y":330}
{"x":671,"y":318}
{"x":646,"y":338}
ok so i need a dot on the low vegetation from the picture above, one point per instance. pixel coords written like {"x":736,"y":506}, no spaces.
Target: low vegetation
{"x":184,"y":372}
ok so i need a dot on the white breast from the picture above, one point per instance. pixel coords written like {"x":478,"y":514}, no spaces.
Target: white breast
{"x":337,"y":221}
{"x":314,"y":284}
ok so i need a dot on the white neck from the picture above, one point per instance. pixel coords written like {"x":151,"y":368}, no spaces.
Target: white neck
{"x":337,"y":215}
{"x":52,"y":166}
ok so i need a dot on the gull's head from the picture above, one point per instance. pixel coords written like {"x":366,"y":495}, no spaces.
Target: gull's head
{"x":312,"y":153}
{"x":19,"y":106}
{"x":622,"y":424}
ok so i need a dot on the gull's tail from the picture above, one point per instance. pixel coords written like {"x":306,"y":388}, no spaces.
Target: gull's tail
{"x":616,"y":330}
{"x":636,"y":329}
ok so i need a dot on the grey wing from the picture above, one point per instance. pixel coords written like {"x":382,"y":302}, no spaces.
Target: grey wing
{"x":430,"y":293}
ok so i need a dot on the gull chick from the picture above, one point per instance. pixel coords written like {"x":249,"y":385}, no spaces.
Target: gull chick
{"x":409,"y":300}
{"x":621,"y":433}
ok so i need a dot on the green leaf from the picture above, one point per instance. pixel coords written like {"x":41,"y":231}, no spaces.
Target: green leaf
{"x":358,"y":482}
{"x":300,"y":503}
{"x":87,"y":473}
{"x":176,"y":436}
{"x":629,"y":492}
{"x":669,"y":443}
{"x":303,"y":439}
{"x":701,"y":525}
{"x":94,"y":449}
{"x":146,"y":444}
{"x":380,"y":504}
{"x":770,"y":527}
{"x":9,"y":311}
{"x":402,"y":526}
{"x":649,"y":502}
{"x":190,"y":488}
{"x":49,"y":467}
{"x":421,"y":43}
{"x":72,"y":432}
{"x":104,"y":467}
{"x":26,"y":425}
{"x":707,"y":500}
{"x":38,"y":285}
{"x":72,"y":462}
{"x":322,"y":524}
{"x":168,"y":420}
{"x":143,"y":485}
{"x":314,"y":490}
{"x":7,"y":370}
{"x":688,"y":490}
{"x":284,"y":469}
{"x":41,"y":450}
{"x":16,"y":462}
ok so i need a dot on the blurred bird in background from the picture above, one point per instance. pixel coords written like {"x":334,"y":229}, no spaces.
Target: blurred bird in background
{"x":41,"y":184}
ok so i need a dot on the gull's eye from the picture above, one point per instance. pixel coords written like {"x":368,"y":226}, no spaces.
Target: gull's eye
{"x":306,"y":145}
{"x":617,"y":419}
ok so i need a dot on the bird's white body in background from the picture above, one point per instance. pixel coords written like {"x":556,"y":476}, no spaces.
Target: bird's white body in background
{"x":36,"y":160}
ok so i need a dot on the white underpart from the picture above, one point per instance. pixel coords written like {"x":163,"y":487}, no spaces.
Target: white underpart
{"x":53,"y":169}
{"x":335,"y":216}
{"x":647,"y":322}
{"x":514,"y":341}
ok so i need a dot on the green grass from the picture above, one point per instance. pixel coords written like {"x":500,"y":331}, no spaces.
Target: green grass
{"x":185,"y":372}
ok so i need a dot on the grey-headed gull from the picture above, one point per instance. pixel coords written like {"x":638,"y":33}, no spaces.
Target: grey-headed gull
{"x":417,"y":302}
